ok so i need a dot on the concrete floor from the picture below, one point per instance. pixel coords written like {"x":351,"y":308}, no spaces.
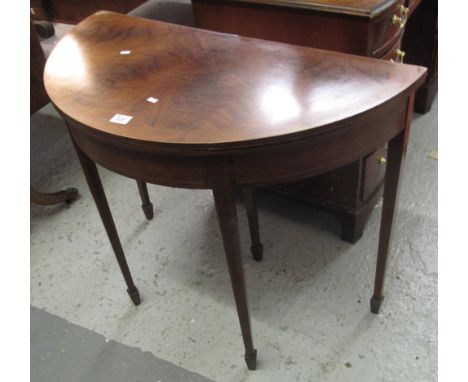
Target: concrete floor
{"x":61,"y":351}
{"x":308,"y":298}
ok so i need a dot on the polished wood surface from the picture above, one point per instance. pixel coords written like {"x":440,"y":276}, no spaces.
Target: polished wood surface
{"x":352,"y":7}
{"x":233,"y":112}
{"x":350,"y":192}
{"x":239,"y":104}
{"x":370,"y":35}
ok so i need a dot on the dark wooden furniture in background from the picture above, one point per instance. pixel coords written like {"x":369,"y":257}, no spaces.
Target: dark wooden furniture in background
{"x":38,"y":95}
{"x":38,"y":99}
{"x":420,"y":42}
{"x":72,"y":12}
{"x":371,"y":28}
{"x":232,"y":113}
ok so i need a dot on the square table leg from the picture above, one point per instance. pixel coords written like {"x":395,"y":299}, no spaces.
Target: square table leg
{"x":395,"y":160}
{"x":146,"y":205}
{"x":227,"y":216}
{"x":95,"y":186}
{"x":252,"y":215}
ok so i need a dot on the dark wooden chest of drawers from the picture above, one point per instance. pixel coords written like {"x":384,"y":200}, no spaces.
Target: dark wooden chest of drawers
{"x":369,"y":28}
{"x":373,"y":28}
{"x":73,"y":11}
{"x":420,"y":42}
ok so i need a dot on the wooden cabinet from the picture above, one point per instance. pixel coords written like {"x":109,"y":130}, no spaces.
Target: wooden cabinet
{"x":351,"y":29}
{"x":421,"y":44}
{"x":372,"y":28}
{"x":72,"y":12}
{"x":37,"y":61}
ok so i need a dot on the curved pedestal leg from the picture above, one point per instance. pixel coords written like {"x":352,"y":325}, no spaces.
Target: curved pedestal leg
{"x":146,"y":205}
{"x":252,"y":215}
{"x":226,"y":209}
{"x":49,"y":199}
{"x":395,"y":159}
{"x":95,"y":186}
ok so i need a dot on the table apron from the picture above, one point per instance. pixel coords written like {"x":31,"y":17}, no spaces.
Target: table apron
{"x":273,"y":164}
{"x":322,"y":153}
{"x":134,"y":162}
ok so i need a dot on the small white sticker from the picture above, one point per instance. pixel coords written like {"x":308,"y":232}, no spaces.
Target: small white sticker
{"x":152,"y":99}
{"x":121,"y":119}
{"x":123,"y":52}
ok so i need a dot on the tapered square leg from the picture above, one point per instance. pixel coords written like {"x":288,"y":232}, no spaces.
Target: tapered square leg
{"x":252,"y":215}
{"x":395,"y":160}
{"x":146,"y":205}
{"x":226,"y":210}
{"x":375,"y":303}
{"x":95,"y":186}
{"x":134,"y":295}
{"x":251,"y":360}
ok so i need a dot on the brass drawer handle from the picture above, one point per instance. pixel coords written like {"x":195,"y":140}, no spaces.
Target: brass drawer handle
{"x":403,"y":10}
{"x":382,"y":160}
{"x":399,"y":20}
{"x":400,"y":56}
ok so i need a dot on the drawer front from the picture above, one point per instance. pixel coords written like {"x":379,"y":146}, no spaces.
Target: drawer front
{"x":395,"y":53}
{"x":284,"y":24}
{"x":373,"y":172}
{"x":338,"y":187}
{"x":389,"y":28}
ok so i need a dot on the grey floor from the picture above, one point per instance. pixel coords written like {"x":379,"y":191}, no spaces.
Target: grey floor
{"x":308,"y":298}
{"x":61,"y":351}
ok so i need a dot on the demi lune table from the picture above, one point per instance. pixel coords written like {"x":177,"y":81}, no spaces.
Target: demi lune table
{"x":183,"y":107}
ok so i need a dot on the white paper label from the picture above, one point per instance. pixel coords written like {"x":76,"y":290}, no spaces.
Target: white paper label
{"x":125,"y":52}
{"x":121,"y":119}
{"x":152,"y":99}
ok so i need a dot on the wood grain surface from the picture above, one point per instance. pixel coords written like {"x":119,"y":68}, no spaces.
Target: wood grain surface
{"x":213,"y":89}
{"x":352,"y":7}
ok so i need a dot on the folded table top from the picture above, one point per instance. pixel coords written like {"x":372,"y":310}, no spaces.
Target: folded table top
{"x":189,"y":87}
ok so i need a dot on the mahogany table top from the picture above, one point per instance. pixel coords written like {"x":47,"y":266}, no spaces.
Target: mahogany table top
{"x":212,"y":89}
